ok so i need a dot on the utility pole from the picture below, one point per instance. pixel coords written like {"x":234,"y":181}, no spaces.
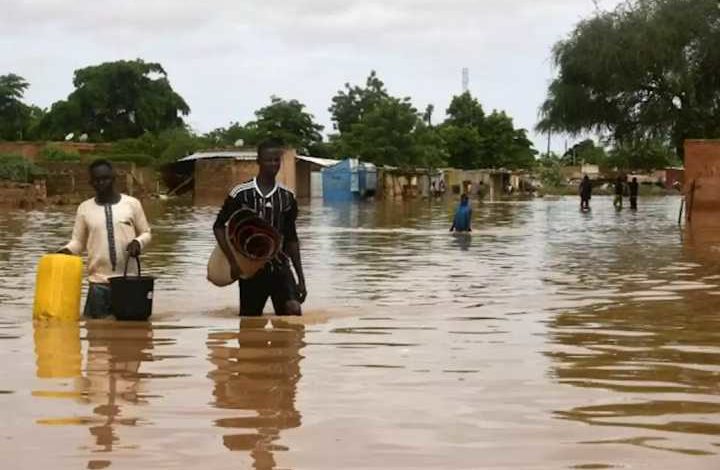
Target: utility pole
{"x":465,"y":80}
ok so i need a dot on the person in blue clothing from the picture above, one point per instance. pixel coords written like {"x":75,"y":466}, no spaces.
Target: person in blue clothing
{"x":463,"y":216}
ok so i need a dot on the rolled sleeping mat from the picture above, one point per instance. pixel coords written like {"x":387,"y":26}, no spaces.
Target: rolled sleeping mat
{"x":253,"y":242}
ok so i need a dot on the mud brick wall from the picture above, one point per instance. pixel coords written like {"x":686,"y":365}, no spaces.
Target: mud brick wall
{"x":72,"y":179}
{"x":22,"y":195}
{"x":31,"y":150}
{"x":214,"y":178}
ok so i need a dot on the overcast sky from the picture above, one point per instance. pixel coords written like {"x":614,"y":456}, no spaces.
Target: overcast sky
{"x":226,"y":57}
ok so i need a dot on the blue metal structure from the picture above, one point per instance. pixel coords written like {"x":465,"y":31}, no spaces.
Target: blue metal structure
{"x":349,"y":180}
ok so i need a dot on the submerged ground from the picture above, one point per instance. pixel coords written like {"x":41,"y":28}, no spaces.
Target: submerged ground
{"x":546,"y":339}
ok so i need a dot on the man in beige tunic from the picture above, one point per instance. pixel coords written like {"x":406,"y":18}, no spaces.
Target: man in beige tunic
{"x":111,"y":227}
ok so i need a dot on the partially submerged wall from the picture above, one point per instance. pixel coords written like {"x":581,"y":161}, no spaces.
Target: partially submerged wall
{"x":702,"y":182}
{"x":22,"y":195}
{"x":71,"y":181}
{"x":215,"y":177}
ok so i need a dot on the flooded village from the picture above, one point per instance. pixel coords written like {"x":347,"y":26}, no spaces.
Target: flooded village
{"x":344,"y":276}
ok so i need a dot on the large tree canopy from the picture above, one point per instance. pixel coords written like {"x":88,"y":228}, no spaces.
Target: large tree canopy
{"x":288,"y":120}
{"x":475,"y":140}
{"x":117,"y":100}
{"x":383,"y":129}
{"x":16,"y":118}
{"x":350,"y":105}
{"x":647,"y":71}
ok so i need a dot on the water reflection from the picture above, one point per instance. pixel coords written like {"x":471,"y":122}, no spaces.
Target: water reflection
{"x":659,"y":365}
{"x":57,"y":349}
{"x":112,"y":378}
{"x":257,"y":369}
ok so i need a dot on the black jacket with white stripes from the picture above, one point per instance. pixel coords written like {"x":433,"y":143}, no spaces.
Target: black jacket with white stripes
{"x":278,"y":207}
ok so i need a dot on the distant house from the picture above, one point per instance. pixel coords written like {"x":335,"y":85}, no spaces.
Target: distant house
{"x":489,"y":183}
{"x":211,"y":174}
{"x":348,"y":180}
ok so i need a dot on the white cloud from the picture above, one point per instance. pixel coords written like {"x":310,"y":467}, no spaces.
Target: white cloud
{"x":226,"y":57}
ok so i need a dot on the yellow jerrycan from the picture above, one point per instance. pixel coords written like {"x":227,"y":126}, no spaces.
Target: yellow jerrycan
{"x":58,"y":286}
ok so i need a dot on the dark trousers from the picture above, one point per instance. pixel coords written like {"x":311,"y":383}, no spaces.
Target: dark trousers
{"x":97,"y":304}
{"x":275,"y":281}
{"x":633,"y":202}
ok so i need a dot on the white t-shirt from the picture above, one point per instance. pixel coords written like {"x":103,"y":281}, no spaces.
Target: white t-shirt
{"x":91,"y":233}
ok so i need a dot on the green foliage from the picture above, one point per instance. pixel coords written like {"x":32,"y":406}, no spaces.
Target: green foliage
{"x":382,"y":129}
{"x":163,"y":147}
{"x":16,"y":168}
{"x":349,"y":106}
{"x":642,"y":155}
{"x":384,"y":134}
{"x":550,"y":167}
{"x":286,"y":120}
{"x":17,"y":120}
{"x":586,"y":152}
{"x":475,"y":140}
{"x":646,"y":71}
{"x":117,"y":100}
{"x":228,"y":136}
{"x":52,"y":153}
{"x":138,"y":159}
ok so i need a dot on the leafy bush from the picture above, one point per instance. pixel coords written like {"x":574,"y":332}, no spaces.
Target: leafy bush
{"x":55,"y":154}
{"x":140,"y":159}
{"x":165,"y":147}
{"x":16,"y":168}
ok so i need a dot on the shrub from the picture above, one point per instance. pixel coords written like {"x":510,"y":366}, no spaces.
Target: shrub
{"x":56,"y":154}
{"x":16,"y":168}
{"x":140,"y":159}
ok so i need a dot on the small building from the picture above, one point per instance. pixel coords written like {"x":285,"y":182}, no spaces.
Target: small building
{"x":348,"y":180}
{"x":671,"y":177}
{"x":213,"y":173}
{"x":308,"y":175}
{"x":578,"y":172}
{"x":406,"y":183}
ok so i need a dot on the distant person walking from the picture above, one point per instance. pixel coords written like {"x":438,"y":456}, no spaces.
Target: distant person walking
{"x":463,"y":216}
{"x":619,"y":190}
{"x":634,"y":190}
{"x":585,"y":191}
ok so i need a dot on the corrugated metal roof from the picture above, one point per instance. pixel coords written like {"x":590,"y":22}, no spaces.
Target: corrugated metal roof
{"x":325,"y":162}
{"x":236,"y":154}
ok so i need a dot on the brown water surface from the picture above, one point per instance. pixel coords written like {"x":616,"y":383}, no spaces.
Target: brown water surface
{"x":546,"y":339}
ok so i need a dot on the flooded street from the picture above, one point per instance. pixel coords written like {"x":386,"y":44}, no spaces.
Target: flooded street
{"x":546,"y":339}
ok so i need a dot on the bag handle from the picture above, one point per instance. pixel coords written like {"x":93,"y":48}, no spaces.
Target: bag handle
{"x":127,"y":260}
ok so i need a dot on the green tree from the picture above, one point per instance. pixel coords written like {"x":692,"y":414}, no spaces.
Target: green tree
{"x":504,"y":146}
{"x":17,"y":119}
{"x":384,"y":135}
{"x":349,"y":106}
{"x":646,"y":71}
{"x":465,"y":111}
{"x":116,"y":100}
{"x":642,"y":155}
{"x":585,"y":151}
{"x":162,"y":147}
{"x":287,"y":120}
{"x":226,"y":136}
{"x":476,"y":140}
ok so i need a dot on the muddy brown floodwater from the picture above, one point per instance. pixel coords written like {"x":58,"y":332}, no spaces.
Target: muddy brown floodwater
{"x":547,"y":339}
